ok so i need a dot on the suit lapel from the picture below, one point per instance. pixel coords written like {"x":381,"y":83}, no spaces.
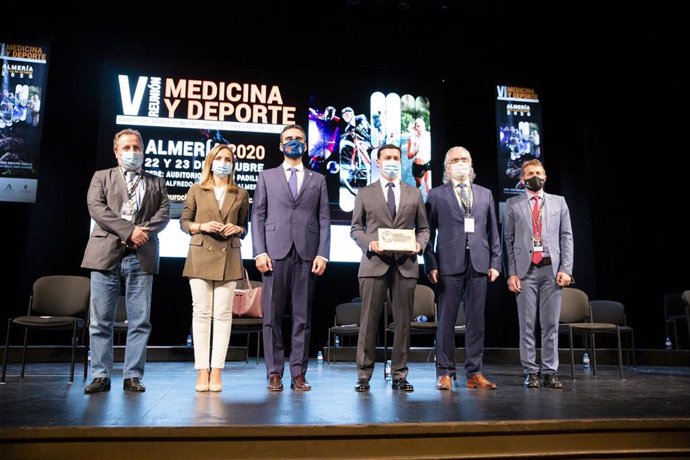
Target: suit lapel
{"x":381,"y":201}
{"x":449,"y":189}
{"x":228,"y":201}
{"x":524,"y":208}
{"x":308,"y":176}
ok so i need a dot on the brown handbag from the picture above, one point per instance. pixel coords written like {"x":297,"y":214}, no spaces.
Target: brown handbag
{"x":247,"y":303}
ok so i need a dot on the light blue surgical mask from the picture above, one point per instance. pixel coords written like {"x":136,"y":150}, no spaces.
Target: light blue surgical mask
{"x":390,"y":169}
{"x":221,"y":168}
{"x":294,"y":149}
{"x":132,"y":161}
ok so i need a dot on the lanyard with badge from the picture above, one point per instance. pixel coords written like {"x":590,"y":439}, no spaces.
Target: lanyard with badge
{"x":537,"y":214}
{"x":467,"y":208}
{"x":130,"y":208}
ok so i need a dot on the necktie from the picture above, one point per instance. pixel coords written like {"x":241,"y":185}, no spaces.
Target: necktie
{"x":391,"y":199}
{"x":536,"y":229}
{"x":464,"y":198}
{"x":293,"y":182}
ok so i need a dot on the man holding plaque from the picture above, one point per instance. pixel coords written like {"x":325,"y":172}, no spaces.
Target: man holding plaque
{"x":465,"y":258}
{"x":389,"y":224}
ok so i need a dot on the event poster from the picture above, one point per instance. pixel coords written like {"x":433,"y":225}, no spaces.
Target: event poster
{"x":24,"y":80}
{"x":518,"y":123}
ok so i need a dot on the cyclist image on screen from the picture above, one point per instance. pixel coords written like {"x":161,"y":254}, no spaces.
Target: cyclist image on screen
{"x":355,"y":145}
{"x":328,"y":129}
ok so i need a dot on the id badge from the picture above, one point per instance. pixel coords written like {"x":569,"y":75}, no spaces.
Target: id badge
{"x":469,"y":224}
{"x":537,"y":245}
{"x":127,"y":212}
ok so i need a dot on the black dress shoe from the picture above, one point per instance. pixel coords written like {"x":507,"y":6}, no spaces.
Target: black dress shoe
{"x":133,"y":384}
{"x":402,"y":384}
{"x":98,"y":385}
{"x":532,"y":381}
{"x":362,"y":385}
{"x":551,"y":381}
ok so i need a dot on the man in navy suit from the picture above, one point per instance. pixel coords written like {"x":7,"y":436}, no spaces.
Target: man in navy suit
{"x":291,"y":236}
{"x":467,"y":256}
{"x":539,"y":246}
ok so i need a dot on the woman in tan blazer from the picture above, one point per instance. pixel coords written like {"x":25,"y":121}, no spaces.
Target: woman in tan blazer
{"x":215,"y":215}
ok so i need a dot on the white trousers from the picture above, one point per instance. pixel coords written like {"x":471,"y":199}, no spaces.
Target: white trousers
{"x":211,"y":305}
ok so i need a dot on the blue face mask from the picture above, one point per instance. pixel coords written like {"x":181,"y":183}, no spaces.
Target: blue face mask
{"x":390,"y":169}
{"x":294,"y":149}
{"x":221,"y":168}
{"x":132,"y":161}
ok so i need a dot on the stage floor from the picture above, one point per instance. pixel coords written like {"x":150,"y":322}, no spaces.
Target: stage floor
{"x":45,"y":399}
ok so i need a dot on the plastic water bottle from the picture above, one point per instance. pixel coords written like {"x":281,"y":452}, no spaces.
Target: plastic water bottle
{"x":319,"y":358}
{"x":189,"y":341}
{"x":585,"y":360}
{"x":668,"y":343}
{"x":337,"y":341}
{"x":389,"y":371}
{"x":421,"y":319}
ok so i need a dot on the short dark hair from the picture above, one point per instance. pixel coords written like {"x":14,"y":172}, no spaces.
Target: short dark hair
{"x":391,"y":146}
{"x":292,"y":126}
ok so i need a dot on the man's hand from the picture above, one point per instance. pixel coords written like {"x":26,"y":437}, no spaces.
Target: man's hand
{"x":493,"y":274}
{"x":433,"y":276}
{"x":264,"y":263}
{"x":514,"y":284}
{"x":563,"y":279}
{"x":318,"y":266}
{"x":139,"y":237}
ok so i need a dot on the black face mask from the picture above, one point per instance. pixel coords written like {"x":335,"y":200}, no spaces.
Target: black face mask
{"x":534,"y":183}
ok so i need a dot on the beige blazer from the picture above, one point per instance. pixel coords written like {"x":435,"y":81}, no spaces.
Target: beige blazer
{"x":213,"y":257}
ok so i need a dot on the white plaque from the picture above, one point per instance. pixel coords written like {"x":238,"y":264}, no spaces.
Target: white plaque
{"x":397,"y":239}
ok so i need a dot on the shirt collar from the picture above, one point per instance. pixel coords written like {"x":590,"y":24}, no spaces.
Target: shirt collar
{"x":287,"y":166}
{"x":458,"y":182}
{"x":531,"y":194}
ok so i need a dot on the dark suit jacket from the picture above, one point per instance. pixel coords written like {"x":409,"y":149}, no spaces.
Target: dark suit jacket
{"x":446,"y":216}
{"x":371,"y":213}
{"x":107,"y":193}
{"x":279,"y":221}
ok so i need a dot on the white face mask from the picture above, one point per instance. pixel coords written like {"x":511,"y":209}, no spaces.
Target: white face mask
{"x":132,"y":161}
{"x":221,"y":168}
{"x":390,"y":169}
{"x":459,"y":171}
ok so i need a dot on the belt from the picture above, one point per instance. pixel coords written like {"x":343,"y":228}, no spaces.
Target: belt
{"x":545,"y":261}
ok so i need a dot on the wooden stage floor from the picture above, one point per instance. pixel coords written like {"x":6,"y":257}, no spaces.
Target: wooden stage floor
{"x":647,"y":414}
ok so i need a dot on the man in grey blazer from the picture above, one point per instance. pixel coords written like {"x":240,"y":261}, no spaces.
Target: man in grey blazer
{"x":466,"y":256}
{"x":387,"y":203}
{"x":539,"y":248}
{"x":130,"y":207}
{"x":291,"y":237}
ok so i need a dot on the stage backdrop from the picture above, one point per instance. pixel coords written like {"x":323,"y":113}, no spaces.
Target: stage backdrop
{"x":183,"y":109}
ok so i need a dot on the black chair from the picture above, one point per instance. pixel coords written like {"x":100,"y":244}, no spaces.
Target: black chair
{"x":248,"y":326}
{"x":424,"y":304}
{"x":610,"y":311}
{"x":345,"y":323}
{"x":676,"y":308}
{"x":57,"y":302}
{"x":576,"y":317}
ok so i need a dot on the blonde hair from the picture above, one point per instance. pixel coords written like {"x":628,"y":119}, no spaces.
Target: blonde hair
{"x":206,"y":181}
{"x":533,"y":162}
